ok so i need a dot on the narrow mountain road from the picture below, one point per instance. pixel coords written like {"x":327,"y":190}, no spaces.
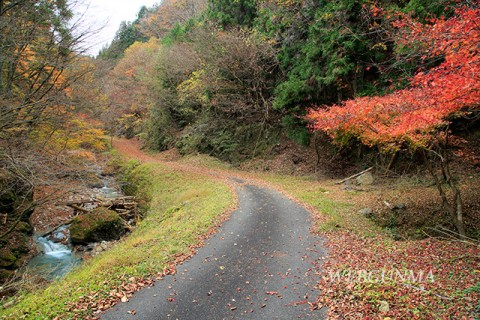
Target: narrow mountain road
{"x":263,"y":263}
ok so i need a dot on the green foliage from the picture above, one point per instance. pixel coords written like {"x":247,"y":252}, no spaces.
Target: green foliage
{"x":128,"y":180}
{"x":424,"y":9}
{"x":296,"y":130}
{"x":474,"y":289}
{"x":236,"y":13}
{"x":207,"y":80}
{"x":180,"y":31}
{"x":324,"y":55}
{"x":124,"y":173}
{"x":158,"y":129}
{"x":289,"y":93}
{"x":333,"y":50}
{"x":209,"y":137}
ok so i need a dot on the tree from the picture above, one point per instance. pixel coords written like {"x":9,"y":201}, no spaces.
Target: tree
{"x":132,"y":85}
{"x":161,"y":20}
{"x":233,"y":13}
{"x":418,"y":117}
{"x":38,"y":44}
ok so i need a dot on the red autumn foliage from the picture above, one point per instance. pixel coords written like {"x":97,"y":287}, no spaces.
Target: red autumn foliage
{"x":412,"y":115}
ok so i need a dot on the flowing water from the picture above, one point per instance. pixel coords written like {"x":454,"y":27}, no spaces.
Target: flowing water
{"x":55,"y":261}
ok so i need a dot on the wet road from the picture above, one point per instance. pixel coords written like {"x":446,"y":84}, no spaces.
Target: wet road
{"x":263,"y":263}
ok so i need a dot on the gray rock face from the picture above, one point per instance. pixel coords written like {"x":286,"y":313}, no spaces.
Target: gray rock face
{"x":15,"y":195}
{"x":365,"y":179}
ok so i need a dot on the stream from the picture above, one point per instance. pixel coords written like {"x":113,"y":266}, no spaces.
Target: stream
{"x":56,"y":257}
{"x":55,"y":261}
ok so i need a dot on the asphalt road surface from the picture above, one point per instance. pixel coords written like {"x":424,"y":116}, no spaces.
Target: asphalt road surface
{"x":263,"y":263}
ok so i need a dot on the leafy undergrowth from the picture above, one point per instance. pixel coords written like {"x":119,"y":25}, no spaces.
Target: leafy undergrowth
{"x":183,"y":209}
{"x":368,"y":278}
{"x":369,"y":275}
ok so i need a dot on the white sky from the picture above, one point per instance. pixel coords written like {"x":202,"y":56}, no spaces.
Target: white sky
{"x":109,"y":14}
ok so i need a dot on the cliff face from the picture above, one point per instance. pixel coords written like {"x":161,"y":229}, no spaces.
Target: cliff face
{"x":16,"y":197}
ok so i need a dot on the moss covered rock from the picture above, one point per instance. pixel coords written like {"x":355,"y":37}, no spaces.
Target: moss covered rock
{"x":7,"y":259}
{"x":101,"y":224}
{"x":25,"y":227}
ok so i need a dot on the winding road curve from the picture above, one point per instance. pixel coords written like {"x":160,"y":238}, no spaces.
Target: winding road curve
{"x":263,"y":263}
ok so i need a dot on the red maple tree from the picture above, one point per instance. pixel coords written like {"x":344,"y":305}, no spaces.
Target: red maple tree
{"x":417,"y":116}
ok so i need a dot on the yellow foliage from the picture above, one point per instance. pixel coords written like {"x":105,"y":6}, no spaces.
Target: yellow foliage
{"x":193,"y":88}
{"x":75,"y":135}
{"x":380,"y":46}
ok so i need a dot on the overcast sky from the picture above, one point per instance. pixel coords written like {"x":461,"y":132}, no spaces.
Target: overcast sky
{"x":107,"y":13}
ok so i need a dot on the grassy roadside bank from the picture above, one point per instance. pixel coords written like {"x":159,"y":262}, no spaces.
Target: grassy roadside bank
{"x":183,"y":208}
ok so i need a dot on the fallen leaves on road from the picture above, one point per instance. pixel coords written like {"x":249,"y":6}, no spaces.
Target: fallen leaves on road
{"x":96,"y":303}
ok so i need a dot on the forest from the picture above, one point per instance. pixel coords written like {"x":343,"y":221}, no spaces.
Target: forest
{"x":304,"y":88}
{"x":236,"y":80}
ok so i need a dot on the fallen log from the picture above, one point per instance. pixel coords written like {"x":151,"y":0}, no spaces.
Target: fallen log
{"x":101,"y":199}
{"x":354,"y":176}
{"x":78,"y":208}
{"x":75,"y":202}
{"x":50,"y":230}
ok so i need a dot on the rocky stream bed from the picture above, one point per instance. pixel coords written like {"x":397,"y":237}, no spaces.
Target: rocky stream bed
{"x":57,"y":235}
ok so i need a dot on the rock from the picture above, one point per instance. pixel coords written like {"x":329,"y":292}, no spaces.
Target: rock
{"x":5,"y":275}
{"x":25,"y":227}
{"x":101,"y":224}
{"x":365,"y":179}
{"x":7,"y":258}
{"x":104,"y":245}
{"x":91,"y":246}
{"x":399,"y":206}
{"x":367,"y":212}
{"x":93,"y":180}
{"x":384,"y":307}
{"x":60,"y":235}
{"x":21,"y":244}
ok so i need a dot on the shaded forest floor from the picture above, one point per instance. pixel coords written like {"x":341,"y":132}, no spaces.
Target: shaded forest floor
{"x":391,"y":263}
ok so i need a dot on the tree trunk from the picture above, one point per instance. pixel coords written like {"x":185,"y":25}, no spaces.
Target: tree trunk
{"x":459,"y":213}
{"x":1,"y":73}
{"x":455,"y":206}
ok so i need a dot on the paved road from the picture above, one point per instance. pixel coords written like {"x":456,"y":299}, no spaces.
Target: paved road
{"x":263,"y":263}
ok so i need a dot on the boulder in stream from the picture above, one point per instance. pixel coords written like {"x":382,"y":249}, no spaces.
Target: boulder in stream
{"x":99,"y":225}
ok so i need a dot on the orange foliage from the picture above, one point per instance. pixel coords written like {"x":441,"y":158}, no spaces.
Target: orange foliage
{"x":412,"y":115}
